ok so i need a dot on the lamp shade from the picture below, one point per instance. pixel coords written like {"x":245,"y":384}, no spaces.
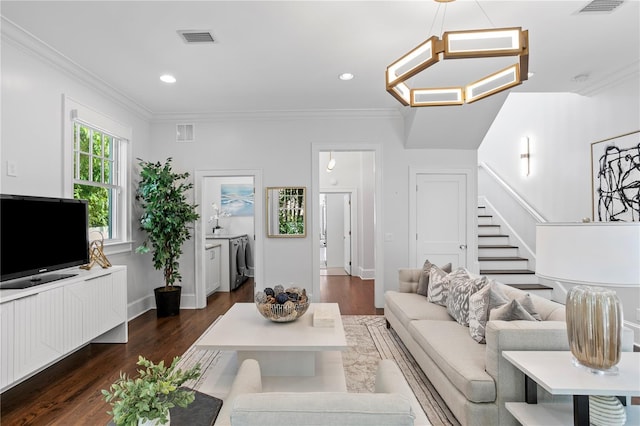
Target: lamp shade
{"x":597,"y":253}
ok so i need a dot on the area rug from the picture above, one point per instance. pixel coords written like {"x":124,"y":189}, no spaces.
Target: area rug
{"x":369,"y":340}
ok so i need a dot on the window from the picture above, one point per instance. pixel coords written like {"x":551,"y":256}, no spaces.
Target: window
{"x":96,"y":169}
{"x":95,"y":177}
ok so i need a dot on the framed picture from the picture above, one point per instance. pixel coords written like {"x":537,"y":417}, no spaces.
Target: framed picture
{"x":237,"y":199}
{"x":615,"y":176}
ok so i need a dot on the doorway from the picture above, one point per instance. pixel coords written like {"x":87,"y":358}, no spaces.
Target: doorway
{"x":357,"y":167}
{"x":337,"y":231}
{"x":436,"y":234}
{"x":227,"y":201}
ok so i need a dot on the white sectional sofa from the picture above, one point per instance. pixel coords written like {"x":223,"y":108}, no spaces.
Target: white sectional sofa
{"x":473,"y":379}
{"x":392,"y":403}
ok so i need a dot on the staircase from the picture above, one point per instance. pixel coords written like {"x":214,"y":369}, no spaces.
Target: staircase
{"x":500,"y":260}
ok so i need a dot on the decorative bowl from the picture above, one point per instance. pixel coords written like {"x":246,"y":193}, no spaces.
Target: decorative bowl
{"x":280,"y":305}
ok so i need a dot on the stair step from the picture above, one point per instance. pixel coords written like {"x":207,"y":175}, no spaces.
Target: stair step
{"x":497,"y":251}
{"x":485,"y":220}
{"x":499,"y":239}
{"x":507,"y":258}
{"x":488,"y":229}
{"x":516,"y":276}
{"x":530,"y":287}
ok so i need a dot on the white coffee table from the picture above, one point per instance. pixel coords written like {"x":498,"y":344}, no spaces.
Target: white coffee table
{"x":292,"y":349}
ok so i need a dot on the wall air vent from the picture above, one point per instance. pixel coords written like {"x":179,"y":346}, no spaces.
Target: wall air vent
{"x":601,"y":6}
{"x":185,"y":133}
{"x":196,"y":37}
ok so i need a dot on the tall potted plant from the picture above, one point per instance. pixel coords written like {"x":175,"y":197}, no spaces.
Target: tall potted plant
{"x":166,"y":219}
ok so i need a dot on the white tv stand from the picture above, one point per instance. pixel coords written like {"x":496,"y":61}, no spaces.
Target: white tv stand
{"x":42,"y":324}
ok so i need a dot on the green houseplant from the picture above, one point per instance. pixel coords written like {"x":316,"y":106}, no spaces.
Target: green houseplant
{"x":166,"y":219}
{"x":149,"y":396}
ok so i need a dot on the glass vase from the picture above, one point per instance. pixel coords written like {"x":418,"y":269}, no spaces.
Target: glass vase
{"x":594,"y":328}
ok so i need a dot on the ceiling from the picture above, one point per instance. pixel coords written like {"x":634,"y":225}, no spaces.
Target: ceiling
{"x":287,"y":55}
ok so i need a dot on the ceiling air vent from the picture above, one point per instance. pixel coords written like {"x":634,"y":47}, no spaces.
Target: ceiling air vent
{"x":601,"y":6}
{"x":184,"y":133}
{"x":190,"y":36}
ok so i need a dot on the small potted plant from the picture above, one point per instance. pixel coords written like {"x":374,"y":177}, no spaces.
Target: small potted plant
{"x":147,"y":398}
{"x":166,"y":219}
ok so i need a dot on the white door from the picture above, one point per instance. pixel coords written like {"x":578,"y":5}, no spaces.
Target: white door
{"x":347,"y":232}
{"x":441,"y":212}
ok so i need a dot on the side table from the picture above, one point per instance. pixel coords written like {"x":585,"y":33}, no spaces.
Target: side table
{"x":555,"y":372}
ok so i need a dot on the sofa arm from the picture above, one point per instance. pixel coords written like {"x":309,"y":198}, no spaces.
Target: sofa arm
{"x":408,"y":279}
{"x":389,"y":379}
{"x":247,"y":380}
{"x":518,"y":336}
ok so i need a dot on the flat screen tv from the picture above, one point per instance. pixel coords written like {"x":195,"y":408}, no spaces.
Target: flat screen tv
{"x":39,"y":235}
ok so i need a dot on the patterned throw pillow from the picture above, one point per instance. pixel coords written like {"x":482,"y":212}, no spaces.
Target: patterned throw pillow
{"x":423,"y":282}
{"x":479,"y":306}
{"x":460,"y":291}
{"x":439,"y":284}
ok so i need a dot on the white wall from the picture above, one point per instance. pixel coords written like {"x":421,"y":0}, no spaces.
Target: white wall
{"x":561,"y":128}
{"x":32,"y":120}
{"x":280,"y":145}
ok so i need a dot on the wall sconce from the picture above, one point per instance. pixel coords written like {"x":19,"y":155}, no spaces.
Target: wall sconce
{"x":332,"y":162}
{"x":525,"y":167}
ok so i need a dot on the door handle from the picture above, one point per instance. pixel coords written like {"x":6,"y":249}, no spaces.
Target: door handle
{"x":463,"y":246}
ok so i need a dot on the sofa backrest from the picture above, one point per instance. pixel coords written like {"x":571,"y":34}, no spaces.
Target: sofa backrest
{"x":321,"y":408}
{"x":547,"y":309}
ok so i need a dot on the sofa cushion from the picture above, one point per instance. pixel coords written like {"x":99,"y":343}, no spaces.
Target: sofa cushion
{"x":458,"y":356}
{"x":411,"y":306}
{"x":458,"y":299}
{"x":321,"y":408}
{"x":440,"y":281}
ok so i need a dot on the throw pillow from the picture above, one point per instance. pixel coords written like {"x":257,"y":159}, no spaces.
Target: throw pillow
{"x":527,"y":303}
{"x":423,"y":282}
{"x":479,"y":306}
{"x":460,"y":291}
{"x":510,"y":312}
{"x":438,"y":287}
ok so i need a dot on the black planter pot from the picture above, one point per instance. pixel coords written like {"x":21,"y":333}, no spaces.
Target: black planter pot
{"x":168,"y":302}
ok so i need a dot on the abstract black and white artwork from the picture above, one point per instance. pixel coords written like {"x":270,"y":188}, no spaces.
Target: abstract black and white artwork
{"x":615,"y":171}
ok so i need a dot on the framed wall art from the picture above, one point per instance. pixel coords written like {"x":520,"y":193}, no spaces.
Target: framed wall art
{"x":615,"y":176}
{"x":237,"y":199}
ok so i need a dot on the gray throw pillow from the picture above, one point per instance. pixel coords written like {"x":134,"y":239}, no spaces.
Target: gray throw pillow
{"x":479,"y":307}
{"x":510,"y":312}
{"x":439,"y":282}
{"x":423,"y":282}
{"x":460,"y":291}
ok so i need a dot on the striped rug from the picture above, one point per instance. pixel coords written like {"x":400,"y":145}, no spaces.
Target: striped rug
{"x":369,"y":340}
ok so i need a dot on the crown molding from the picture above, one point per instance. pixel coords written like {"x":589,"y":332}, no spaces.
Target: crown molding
{"x":30,"y":44}
{"x":631,"y":71}
{"x":278,"y":115}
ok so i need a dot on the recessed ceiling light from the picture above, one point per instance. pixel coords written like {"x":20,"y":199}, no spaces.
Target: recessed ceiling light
{"x":346,"y":76}
{"x":168,"y":78}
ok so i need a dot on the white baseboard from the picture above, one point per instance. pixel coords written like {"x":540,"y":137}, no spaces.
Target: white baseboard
{"x":366,"y":274}
{"x":140,"y":306}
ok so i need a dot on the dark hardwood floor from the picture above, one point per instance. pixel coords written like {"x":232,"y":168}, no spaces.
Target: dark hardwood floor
{"x":68,"y":392}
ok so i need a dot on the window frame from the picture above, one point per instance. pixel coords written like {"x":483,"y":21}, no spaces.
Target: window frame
{"x":75,"y":112}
